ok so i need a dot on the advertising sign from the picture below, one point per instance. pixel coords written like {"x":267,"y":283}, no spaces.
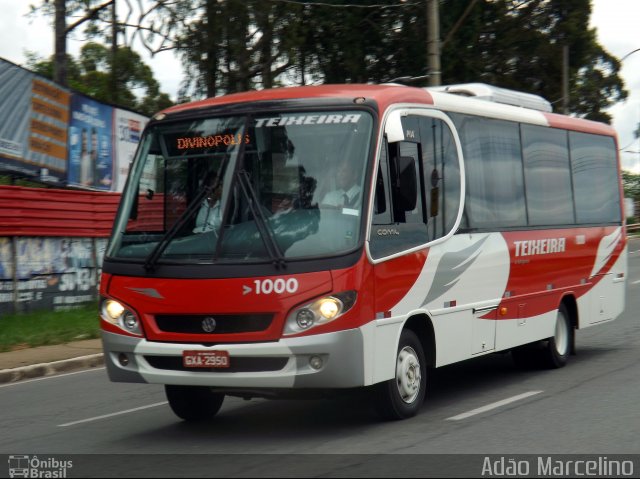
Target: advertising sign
{"x":128,"y":129}
{"x":48,"y":129}
{"x":6,"y":276}
{"x":33,"y":131}
{"x":15,"y":98}
{"x":90,"y":144}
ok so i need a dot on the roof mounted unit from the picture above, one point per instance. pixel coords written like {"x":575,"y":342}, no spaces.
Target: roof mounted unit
{"x":482,"y":91}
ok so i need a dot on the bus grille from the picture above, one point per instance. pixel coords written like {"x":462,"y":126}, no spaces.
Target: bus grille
{"x":237,"y":364}
{"x":223,"y":323}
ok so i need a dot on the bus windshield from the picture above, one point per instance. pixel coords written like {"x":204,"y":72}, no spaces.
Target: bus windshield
{"x":268,"y":187}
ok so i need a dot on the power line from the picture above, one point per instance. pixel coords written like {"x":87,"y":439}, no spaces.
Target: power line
{"x":347,"y":5}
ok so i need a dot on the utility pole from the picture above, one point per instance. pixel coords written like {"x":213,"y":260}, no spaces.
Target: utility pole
{"x":433,"y":42}
{"x":114,"y":53}
{"x":60,"y":43}
{"x":565,"y":79}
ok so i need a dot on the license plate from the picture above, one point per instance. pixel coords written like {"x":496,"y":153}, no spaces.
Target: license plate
{"x":205,"y":359}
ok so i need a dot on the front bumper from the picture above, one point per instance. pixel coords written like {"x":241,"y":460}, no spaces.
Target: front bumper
{"x":282,"y":364}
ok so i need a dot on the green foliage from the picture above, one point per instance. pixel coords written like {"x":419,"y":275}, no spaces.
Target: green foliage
{"x":91,"y":74}
{"x":233,"y":45}
{"x":48,"y":327}
{"x":508,"y":43}
{"x":8,"y":180}
{"x":519,"y":45}
{"x":631,"y":184}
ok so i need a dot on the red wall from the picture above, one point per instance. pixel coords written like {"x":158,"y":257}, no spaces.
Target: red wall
{"x":52,"y":212}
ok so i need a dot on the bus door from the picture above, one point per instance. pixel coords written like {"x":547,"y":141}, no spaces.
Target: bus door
{"x":419,"y":185}
{"x":417,"y":209}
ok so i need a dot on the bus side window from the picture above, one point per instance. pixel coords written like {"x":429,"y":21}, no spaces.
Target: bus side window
{"x":419,"y":183}
{"x":441,"y":175}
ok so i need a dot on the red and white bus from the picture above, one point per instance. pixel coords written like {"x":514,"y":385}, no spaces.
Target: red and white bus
{"x":364,"y":234}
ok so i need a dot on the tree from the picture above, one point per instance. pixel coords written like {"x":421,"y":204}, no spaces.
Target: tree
{"x":91,"y":74}
{"x":83,"y":10}
{"x":518,"y":45}
{"x":231,"y":45}
{"x":631,"y":184}
{"x":235,"y":45}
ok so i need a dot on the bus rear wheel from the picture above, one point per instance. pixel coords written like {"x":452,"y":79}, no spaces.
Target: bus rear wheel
{"x":551,"y":353}
{"x":556,"y":349}
{"x":193,"y":403}
{"x":402,"y":396}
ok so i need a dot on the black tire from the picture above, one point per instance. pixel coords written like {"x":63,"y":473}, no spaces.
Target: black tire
{"x":551,"y":353}
{"x":193,"y":403}
{"x":402,"y":396}
{"x":556,"y":350}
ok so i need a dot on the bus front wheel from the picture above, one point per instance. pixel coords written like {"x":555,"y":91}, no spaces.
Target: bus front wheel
{"x":402,"y":396}
{"x":193,"y":403}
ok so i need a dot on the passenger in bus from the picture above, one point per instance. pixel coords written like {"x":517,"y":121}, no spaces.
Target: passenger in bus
{"x":347,"y":190}
{"x":210,"y":216}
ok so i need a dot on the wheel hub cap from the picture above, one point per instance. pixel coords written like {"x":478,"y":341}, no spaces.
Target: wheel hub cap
{"x":408,"y":375}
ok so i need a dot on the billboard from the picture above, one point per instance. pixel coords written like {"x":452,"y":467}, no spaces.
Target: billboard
{"x":90,"y":144}
{"x":128,"y":129}
{"x":33,"y":131}
{"x":50,"y":133}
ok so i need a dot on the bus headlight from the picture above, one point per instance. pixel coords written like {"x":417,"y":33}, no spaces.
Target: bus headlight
{"x":117,"y":314}
{"x":330,"y":307}
{"x":321,"y":311}
{"x":113,"y":309}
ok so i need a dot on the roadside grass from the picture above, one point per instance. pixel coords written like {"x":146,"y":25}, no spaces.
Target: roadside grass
{"x":40,"y":328}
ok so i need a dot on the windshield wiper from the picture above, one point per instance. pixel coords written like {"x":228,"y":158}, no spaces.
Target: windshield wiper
{"x":152,"y":259}
{"x":265,"y":232}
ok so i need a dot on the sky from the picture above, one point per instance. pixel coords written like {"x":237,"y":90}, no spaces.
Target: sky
{"x":616,"y":23}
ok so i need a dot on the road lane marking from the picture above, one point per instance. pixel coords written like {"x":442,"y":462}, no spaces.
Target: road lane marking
{"x":119,"y":413}
{"x":494,"y":405}
{"x":56,"y":376}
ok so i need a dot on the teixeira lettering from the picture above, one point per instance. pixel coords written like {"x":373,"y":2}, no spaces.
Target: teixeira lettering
{"x":541,"y":246}
{"x":307,"y":120}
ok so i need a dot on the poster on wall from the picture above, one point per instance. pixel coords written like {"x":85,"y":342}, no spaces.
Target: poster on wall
{"x":33,"y":130}
{"x":90,"y":144}
{"x":128,"y":128}
{"x":51,"y":273}
{"x":6,"y":261}
{"x":6,"y":276}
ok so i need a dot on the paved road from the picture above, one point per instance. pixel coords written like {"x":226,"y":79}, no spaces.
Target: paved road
{"x":485,"y":406}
